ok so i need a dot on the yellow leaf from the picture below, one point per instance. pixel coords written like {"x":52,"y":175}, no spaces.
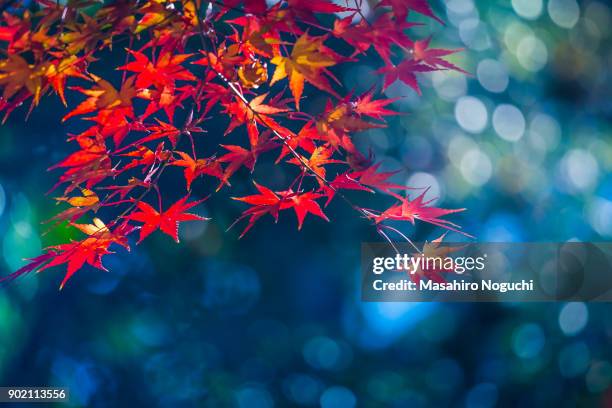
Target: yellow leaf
{"x":16,"y":73}
{"x":97,"y":228}
{"x":88,"y":199}
{"x":308,"y":60}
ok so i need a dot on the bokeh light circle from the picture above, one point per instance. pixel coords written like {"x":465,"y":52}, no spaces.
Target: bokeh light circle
{"x":492,"y":75}
{"x":573,"y":317}
{"x":528,"y":9}
{"x":565,"y":13}
{"x":338,"y":397}
{"x":476,"y":167}
{"x":508,"y":122}
{"x":471,"y":114}
{"x":532,"y":53}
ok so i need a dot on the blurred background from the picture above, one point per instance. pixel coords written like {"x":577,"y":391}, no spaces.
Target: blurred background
{"x":275,"y":318}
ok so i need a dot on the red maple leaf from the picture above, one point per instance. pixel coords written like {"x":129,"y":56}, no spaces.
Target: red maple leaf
{"x":418,"y":209}
{"x":366,"y":105}
{"x":167,"y":221}
{"x":305,"y":9}
{"x":238,"y":156}
{"x":371,"y":177}
{"x":302,"y":204}
{"x":266,"y":202}
{"x":424,"y":59}
{"x":319,"y":157}
{"x":433,"y":57}
{"x":344,"y":181}
{"x":405,"y":71}
{"x":145,"y":157}
{"x":163,"y":129}
{"x":162,"y":73}
{"x":253,"y":113}
{"x":381,"y":34}
{"x":87,"y":251}
{"x":304,"y":139}
{"x":270,"y":202}
{"x":197,"y":167}
{"x":167,"y":99}
{"x":402,"y":7}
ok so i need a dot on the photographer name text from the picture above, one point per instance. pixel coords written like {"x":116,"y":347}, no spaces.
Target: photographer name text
{"x":457,"y":285}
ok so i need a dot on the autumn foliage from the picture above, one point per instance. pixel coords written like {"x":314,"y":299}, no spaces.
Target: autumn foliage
{"x":185,"y":61}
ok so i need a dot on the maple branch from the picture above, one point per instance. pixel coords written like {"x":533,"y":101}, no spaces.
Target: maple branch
{"x":64,"y":42}
{"x":284,"y":139}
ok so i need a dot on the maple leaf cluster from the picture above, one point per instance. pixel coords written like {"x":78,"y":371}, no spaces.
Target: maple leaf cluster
{"x":186,"y":61}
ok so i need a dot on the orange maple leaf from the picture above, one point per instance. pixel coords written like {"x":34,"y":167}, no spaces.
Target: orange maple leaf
{"x":104,"y":96}
{"x":308,"y":61}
